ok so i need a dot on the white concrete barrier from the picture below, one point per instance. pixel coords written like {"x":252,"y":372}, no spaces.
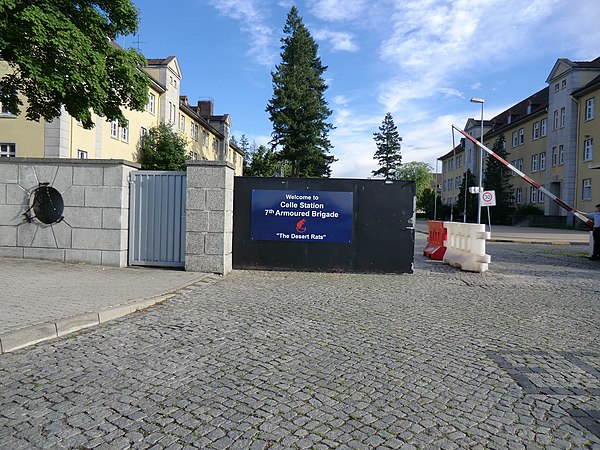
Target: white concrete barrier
{"x":465,"y":246}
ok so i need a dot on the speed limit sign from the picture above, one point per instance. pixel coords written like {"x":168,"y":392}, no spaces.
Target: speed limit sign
{"x":488,"y":198}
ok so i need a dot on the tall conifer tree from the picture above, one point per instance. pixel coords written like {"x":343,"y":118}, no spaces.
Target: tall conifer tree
{"x":298,"y":109}
{"x":496,"y":177}
{"x":388,"y":154}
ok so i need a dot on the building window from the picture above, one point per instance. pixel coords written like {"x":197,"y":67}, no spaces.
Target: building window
{"x":520,"y":164}
{"x":171,"y":113}
{"x":451,"y":184}
{"x":125,"y":134}
{"x":82,"y":154}
{"x":555,"y":120}
{"x":563,"y":117}
{"x":561,"y":154}
{"x":511,"y":195}
{"x":143,"y":132}
{"x":8,"y":150}
{"x":444,"y":186}
{"x":556,"y":87}
{"x":544,"y":127}
{"x":515,"y":139}
{"x":514,"y":164}
{"x":451,"y":164}
{"x":588,"y":149}
{"x":590,"y":106}
{"x":458,"y":161}
{"x":457,"y":182}
{"x":182,"y":122}
{"x":586,"y":189}
{"x":563,"y":84}
{"x":534,"y":163}
{"x":519,"y":196}
{"x":554,"y":156}
{"x":536,"y":131}
{"x":205,"y":138}
{"x":541,"y":195}
{"x":543,"y":161}
{"x":114,"y":129}
{"x":533,"y":195}
{"x":151,"y":106}
{"x":215,"y":144}
{"x":521,"y":136}
{"x":4,"y":110}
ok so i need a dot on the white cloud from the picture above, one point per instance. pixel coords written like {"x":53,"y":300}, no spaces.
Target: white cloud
{"x":339,"y":40}
{"x":253,"y":22}
{"x":451,"y":92}
{"x":475,"y":86}
{"x":337,"y":10}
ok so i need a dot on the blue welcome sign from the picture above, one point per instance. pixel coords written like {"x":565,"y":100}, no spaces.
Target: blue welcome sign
{"x":301,"y":216}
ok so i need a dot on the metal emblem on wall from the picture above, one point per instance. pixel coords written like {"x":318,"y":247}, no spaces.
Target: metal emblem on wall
{"x":45,"y":205}
{"x":302,"y":216}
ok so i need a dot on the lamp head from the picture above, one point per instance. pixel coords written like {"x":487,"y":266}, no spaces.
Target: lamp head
{"x":477,"y":100}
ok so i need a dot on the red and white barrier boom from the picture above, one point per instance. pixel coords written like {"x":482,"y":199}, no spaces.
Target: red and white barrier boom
{"x":576,"y":213}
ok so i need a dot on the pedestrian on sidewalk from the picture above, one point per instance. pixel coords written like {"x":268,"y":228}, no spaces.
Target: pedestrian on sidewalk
{"x":595,"y":216}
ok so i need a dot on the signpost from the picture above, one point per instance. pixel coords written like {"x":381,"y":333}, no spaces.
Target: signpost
{"x":488,"y":198}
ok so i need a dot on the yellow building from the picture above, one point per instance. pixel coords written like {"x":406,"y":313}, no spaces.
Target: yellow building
{"x":207,"y":135}
{"x":524,"y":127}
{"x":588,"y":135}
{"x":550,"y":137}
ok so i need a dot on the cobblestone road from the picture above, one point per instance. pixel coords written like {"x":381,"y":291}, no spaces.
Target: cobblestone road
{"x":437,"y":359}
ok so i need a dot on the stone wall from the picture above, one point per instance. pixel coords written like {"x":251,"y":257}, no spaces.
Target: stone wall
{"x":96,"y":210}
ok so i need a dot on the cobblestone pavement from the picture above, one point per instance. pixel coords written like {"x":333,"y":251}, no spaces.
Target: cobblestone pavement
{"x":438,"y":359}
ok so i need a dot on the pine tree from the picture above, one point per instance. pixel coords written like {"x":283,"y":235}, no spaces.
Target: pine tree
{"x":298,"y":109}
{"x":388,"y":154}
{"x":468,"y":180}
{"x":496,"y":177}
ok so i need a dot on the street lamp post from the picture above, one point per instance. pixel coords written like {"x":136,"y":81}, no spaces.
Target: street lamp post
{"x":480,"y":101}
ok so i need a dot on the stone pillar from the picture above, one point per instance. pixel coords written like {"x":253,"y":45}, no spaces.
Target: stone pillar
{"x":209,"y":217}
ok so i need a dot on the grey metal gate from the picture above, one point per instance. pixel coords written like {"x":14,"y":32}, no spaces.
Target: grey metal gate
{"x":157,"y":218}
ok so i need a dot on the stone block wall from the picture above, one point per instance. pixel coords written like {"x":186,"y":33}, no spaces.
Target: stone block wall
{"x":96,"y":210}
{"x":209,"y":216}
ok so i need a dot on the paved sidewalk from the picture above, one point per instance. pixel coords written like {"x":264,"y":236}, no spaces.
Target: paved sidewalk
{"x":40,"y":300}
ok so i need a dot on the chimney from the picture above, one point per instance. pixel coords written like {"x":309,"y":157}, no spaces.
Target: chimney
{"x":205,"y":107}
{"x":183,"y":99}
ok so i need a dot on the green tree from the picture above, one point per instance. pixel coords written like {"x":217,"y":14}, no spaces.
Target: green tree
{"x":468,"y":180}
{"x":61,"y":53}
{"x":420,"y":173}
{"x":496,"y":177}
{"x":162,"y":149}
{"x":426,"y":202}
{"x":388,"y":142}
{"x":298,"y":109}
{"x":262,"y":162}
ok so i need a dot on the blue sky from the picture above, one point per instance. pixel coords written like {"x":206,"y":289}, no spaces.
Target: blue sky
{"x":421,"y":60}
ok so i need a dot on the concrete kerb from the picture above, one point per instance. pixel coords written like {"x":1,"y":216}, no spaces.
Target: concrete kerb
{"x":34,"y":334}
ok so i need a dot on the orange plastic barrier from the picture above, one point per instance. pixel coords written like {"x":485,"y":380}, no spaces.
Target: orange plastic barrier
{"x":435,"y":242}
